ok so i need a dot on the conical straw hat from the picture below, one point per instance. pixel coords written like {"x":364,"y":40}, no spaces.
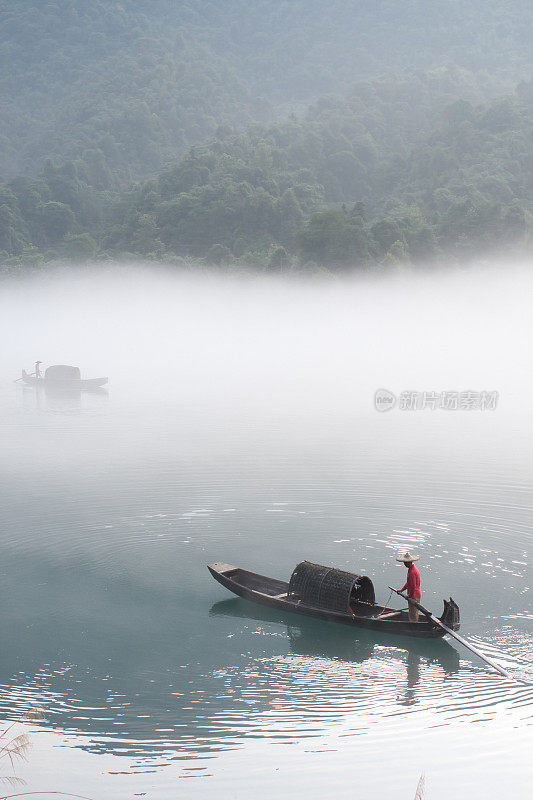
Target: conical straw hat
{"x":407,"y":557}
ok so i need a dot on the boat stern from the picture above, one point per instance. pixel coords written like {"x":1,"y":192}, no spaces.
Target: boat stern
{"x":450,"y":616}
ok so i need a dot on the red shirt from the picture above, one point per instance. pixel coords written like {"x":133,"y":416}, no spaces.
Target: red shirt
{"x":413,"y":583}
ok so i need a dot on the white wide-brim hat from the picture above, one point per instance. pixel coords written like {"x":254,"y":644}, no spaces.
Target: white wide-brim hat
{"x":407,"y":557}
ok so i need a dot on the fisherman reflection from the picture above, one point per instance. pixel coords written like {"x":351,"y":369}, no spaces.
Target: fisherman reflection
{"x":421,"y":658}
{"x":413,"y":679}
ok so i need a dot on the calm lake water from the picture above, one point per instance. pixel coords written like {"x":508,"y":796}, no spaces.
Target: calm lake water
{"x":239,"y":426}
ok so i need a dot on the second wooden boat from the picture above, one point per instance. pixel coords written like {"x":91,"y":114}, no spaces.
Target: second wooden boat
{"x":61,"y":376}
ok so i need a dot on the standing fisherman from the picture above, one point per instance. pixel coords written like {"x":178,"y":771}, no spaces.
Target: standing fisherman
{"x":413,"y":583}
{"x":38,"y":369}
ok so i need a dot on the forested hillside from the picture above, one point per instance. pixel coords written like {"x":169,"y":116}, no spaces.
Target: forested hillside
{"x":126,"y":85}
{"x":453,"y":180}
{"x":290,"y":133}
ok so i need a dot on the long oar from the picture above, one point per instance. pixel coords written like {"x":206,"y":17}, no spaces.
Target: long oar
{"x":436,"y":621}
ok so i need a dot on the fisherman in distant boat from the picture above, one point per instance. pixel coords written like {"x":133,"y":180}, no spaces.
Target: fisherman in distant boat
{"x":412,"y":584}
{"x":38,"y":373}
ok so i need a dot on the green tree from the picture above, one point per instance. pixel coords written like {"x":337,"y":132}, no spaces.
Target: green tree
{"x":80,"y":247}
{"x":55,"y":219}
{"x":218,"y":254}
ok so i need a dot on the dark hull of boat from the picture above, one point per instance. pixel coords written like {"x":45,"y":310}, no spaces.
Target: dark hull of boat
{"x":85,"y":385}
{"x":273,"y":593}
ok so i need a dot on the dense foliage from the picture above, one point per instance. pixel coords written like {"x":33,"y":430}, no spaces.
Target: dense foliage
{"x":181,"y":130}
{"x":398,"y":185}
{"x":127,"y":84}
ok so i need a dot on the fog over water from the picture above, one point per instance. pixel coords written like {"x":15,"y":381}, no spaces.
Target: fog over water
{"x":239,"y":425}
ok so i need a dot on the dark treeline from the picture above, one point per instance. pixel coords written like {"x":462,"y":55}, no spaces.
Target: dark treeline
{"x":202,"y":131}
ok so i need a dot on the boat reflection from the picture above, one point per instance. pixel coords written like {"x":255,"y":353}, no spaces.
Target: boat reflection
{"x":316,"y":638}
{"x":74,"y":391}
{"x":61,"y":398}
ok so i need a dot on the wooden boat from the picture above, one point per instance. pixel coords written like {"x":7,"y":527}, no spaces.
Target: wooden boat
{"x":331,"y":594}
{"x":61,"y":376}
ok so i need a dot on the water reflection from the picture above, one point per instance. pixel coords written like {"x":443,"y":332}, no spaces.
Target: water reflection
{"x":327,"y":640}
{"x":72,"y":391}
{"x":59,"y":397}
